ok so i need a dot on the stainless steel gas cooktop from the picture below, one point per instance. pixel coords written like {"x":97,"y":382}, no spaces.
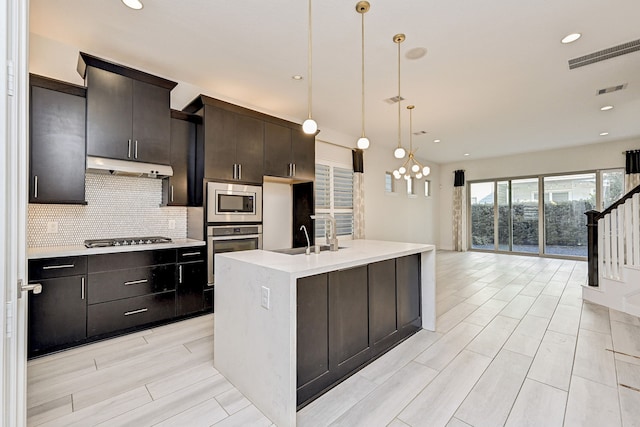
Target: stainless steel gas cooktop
{"x":126,"y":241}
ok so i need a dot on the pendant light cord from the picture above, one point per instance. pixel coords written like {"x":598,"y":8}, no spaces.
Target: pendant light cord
{"x":309,"y":68}
{"x":399,"y":98}
{"x":363,"y":135}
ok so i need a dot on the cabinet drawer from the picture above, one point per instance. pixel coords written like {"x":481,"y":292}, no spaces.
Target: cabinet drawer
{"x":49,"y":268}
{"x":197,"y":253}
{"x":124,"y":260}
{"x":113,"y":316}
{"x":113,"y":285}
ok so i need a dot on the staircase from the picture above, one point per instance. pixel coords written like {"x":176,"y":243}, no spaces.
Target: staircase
{"x":614,"y":255}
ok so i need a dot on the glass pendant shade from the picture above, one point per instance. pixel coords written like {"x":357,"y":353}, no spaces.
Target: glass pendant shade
{"x":402,"y":170}
{"x":407,"y":177}
{"x":363,"y":143}
{"x":399,"y":153}
{"x":426,"y":170}
{"x":396,"y":174}
{"x":309,"y":126}
{"x":418,"y":175}
{"x":415,"y":168}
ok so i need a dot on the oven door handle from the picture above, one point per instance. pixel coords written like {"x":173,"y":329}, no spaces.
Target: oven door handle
{"x":236,"y":237}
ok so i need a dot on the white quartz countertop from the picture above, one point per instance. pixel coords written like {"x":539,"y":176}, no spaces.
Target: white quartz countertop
{"x":354,"y":253}
{"x":62,"y":251}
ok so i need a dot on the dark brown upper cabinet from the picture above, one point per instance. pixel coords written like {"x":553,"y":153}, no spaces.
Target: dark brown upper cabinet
{"x":231,"y":142}
{"x":57,"y":151}
{"x":288,"y":152}
{"x":128,"y":112}
{"x":175,"y":189}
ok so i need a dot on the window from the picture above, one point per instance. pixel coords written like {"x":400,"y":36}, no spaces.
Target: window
{"x":411,"y":186}
{"x":427,"y":188}
{"x":389,"y":184}
{"x":612,"y":184}
{"x":334,"y":195}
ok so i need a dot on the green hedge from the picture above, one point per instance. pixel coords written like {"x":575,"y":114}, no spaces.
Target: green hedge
{"x":565,"y":223}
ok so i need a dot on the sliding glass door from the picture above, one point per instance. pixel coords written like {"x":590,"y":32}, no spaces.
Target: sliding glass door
{"x":482,"y":206}
{"x":566,"y":199}
{"x":510,"y":216}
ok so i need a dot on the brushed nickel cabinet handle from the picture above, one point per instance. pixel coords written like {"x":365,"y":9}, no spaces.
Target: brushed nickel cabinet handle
{"x":135,"y":282}
{"x":142,"y":310}
{"x":135,"y":149}
{"x":129,"y":149}
{"x":191,"y":253}
{"x":53,"y":267}
{"x":293,"y":166}
{"x":239,"y":171}
{"x":172,"y":193}
{"x":35,"y":186}
{"x":82,"y":287}
{"x":179,"y":274}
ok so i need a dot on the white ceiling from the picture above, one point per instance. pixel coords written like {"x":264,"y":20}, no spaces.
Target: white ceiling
{"x":495,"y":79}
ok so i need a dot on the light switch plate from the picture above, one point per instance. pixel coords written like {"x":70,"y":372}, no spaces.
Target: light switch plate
{"x":52,"y":227}
{"x":264,"y":299}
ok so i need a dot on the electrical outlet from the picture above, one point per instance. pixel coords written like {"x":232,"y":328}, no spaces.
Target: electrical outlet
{"x":172,"y":224}
{"x":52,"y":227}
{"x":265,"y":302}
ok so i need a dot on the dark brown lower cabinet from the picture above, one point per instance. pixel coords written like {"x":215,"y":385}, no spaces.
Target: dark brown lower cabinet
{"x":57,"y":315}
{"x":347,"y":318}
{"x":107,"y":317}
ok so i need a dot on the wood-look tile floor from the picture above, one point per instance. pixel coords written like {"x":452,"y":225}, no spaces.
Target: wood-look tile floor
{"x":515,"y":345}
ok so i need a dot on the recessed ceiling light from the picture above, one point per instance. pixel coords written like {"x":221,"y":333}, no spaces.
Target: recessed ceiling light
{"x":604,"y":133}
{"x":436,"y":140}
{"x":416,"y":53}
{"x":606,"y":108}
{"x":297,"y":77}
{"x":571,"y":38}
{"x":466,"y":154}
{"x":133,"y":4}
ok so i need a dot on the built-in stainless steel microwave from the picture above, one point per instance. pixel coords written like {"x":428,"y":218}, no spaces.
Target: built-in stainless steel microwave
{"x":233,"y":202}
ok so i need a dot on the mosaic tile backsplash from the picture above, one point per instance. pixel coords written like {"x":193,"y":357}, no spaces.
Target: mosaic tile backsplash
{"x":118,"y":206}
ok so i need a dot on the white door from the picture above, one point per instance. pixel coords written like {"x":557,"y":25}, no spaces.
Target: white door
{"x":13,"y":208}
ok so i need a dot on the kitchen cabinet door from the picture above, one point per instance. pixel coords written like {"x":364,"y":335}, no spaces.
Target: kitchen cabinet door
{"x":382,"y":304}
{"x":408,"y":288}
{"x":192,"y":279}
{"x":57,"y":150}
{"x":57,"y":315}
{"x":303,"y":152}
{"x":219,"y":143}
{"x":151,"y":123}
{"x":183,"y":139}
{"x":249,"y":149}
{"x":348,"y":319}
{"x":277,"y":150}
{"x":312,"y":336}
{"x":109,"y":114}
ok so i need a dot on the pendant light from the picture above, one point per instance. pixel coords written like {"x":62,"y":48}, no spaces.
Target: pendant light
{"x":399,"y":152}
{"x":363,"y":7}
{"x":411,"y":168}
{"x":309,"y":126}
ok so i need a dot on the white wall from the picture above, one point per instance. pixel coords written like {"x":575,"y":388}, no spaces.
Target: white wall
{"x":396,"y":216}
{"x":592,"y":157}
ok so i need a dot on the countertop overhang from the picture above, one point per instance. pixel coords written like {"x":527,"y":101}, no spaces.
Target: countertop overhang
{"x":77,"y":250}
{"x":354,"y":253}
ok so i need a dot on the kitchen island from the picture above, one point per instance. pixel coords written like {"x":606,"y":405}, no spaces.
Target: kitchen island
{"x":288,"y":327}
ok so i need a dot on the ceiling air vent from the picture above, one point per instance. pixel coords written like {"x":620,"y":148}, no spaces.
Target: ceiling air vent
{"x":611,"y":89}
{"x":601,"y":55}
{"x":394,"y":99}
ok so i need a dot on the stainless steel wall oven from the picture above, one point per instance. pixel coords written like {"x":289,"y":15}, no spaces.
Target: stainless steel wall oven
{"x":230,"y":238}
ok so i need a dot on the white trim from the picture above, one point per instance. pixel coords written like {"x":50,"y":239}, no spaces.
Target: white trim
{"x":13,"y":193}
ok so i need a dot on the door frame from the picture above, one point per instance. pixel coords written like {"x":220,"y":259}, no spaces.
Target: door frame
{"x":14,"y":51}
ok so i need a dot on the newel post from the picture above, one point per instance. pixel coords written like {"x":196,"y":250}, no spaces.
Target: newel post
{"x":592,"y":246}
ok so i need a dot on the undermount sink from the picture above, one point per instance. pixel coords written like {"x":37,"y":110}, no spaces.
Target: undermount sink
{"x":298,"y":251}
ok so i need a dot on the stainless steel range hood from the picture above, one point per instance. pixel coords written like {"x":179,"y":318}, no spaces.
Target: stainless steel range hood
{"x":127,"y":168}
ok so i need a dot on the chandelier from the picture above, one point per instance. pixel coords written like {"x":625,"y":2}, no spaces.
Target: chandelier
{"x":411,"y":168}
